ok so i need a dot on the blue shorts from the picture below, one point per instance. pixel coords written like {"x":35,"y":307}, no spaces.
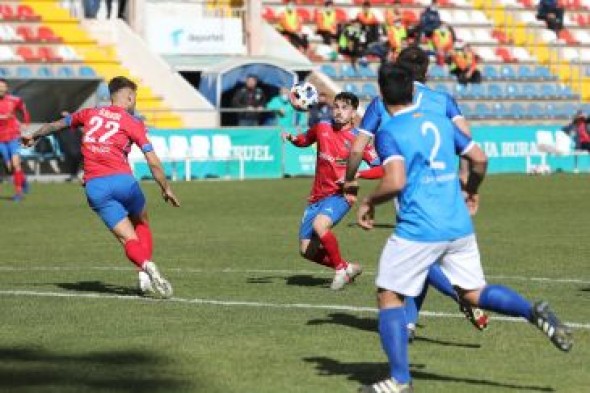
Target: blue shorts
{"x":334,"y":207}
{"x":9,"y":149}
{"x":114,"y":198}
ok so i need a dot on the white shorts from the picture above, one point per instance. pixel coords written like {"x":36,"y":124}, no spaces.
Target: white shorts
{"x":404,"y":264}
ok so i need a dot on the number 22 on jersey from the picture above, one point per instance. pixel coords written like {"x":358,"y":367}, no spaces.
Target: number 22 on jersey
{"x":97,"y":124}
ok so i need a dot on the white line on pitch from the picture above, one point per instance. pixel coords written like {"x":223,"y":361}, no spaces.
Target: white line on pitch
{"x":230,"y":303}
{"x":260,"y":271}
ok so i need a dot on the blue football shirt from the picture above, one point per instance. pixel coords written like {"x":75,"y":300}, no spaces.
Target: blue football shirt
{"x":431,"y":207}
{"x":424,"y":98}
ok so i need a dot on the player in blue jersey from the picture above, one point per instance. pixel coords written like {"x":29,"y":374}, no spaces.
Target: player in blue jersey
{"x":418,"y":151}
{"x":376,"y":114}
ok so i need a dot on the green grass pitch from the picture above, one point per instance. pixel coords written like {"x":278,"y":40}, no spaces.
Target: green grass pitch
{"x":251,"y":316}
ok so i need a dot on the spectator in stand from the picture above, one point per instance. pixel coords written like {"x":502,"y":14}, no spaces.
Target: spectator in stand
{"x":397,"y":33}
{"x":392,"y":15}
{"x":578,"y":130}
{"x":250,"y":97}
{"x":91,"y":8}
{"x":284,"y":115}
{"x":320,"y":112}
{"x":326,"y":23}
{"x":551,"y":11}
{"x":122,"y":5}
{"x":352,"y":41}
{"x":429,"y":20}
{"x":464,"y":64}
{"x":290,"y":25}
{"x":443,"y":40}
{"x":369,"y":21}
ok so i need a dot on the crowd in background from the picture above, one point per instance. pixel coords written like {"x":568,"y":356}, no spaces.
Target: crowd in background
{"x":366,"y":35}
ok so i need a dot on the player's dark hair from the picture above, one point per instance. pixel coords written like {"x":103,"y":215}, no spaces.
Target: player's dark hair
{"x":414,"y":58}
{"x":119,"y":83}
{"x":396,"y":84}
{"x":4,"y":80}
{"x":347,"y":97}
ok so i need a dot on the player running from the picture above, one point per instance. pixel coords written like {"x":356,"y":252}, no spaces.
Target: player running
{"x":327,"y":206}
{"x":10,"y":132}
{"x":418,"y":151}
{"x":376,"y":114}
{"x":111,"y":190}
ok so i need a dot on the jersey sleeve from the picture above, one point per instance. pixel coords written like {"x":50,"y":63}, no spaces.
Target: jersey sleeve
{"x":307,"y":138}
{"x":453,"y":110}
{"x":22,"y":108}
{"x":387,"y":147}
{"x":463,"y":143}
{"x":137,"y":132}
{"x":370,"y":156}
{"x":77,"y":119}
{"x":371,"y":119}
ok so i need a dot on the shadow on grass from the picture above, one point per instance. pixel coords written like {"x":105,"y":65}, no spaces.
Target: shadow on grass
{"x":367,"y":373}
{"x":587,"y":289}
{"x":370,"y":324}
{"x":307,"y":280}
{"x":98,"y":287}
{"x":300,"y":280}
{"x":31,"y":369}
{"x":376,"y":225}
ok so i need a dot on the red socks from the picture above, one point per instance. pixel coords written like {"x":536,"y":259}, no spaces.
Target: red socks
{"x":332,"y":250}
{"x":136,"y":253}
{"x":144,"y":234}
{"x":321,"y":257}
{"x":19,"y":180}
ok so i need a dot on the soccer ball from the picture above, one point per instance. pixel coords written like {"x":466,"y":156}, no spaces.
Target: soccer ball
{"x":303,"y":96}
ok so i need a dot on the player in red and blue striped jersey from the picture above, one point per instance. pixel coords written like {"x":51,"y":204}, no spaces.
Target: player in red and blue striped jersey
{"x":111,"y":190}
{"x":327,"y":206}
{"x":10,"y":131}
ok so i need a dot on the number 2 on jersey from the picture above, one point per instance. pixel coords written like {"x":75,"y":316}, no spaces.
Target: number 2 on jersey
{"x":429,"y":126}
{"x":96,"y":123}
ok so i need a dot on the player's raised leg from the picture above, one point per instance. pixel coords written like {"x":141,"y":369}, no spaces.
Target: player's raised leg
{"x":332,"y":210}
{"x":319,"y":244}
{"x":463,"y":267}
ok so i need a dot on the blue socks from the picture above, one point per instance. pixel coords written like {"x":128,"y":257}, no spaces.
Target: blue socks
{"x":437,"y":279}
{"x":411,"y":309}
{"x":505,"y":301}
{"x":394,"y":339}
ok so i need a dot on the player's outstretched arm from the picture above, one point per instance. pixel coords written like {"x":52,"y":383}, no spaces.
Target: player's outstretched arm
{"x":46,"y":129}
{"x":158,"y":174}
{"x":478,"y":167}
{"x":393,"y":181}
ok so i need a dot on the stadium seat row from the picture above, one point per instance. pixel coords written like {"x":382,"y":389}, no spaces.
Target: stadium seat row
{"x":534,"y":110}
{"x":18,"y":12}
{"x":458,"y":17}
{"x":48,"y":72}
{"x":509,"y":91}
{"x":27,"y":34}
{"x":490,"y":72}
{"x":36,"y":54}
{"x":178,"y":147}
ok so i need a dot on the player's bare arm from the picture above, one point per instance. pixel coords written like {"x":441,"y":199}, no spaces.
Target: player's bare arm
{"x":350,"y":187}
{"x":158,"y":174}
{"x":463,"y":126}
{"x":393,"y":181}
{"x":46,"y":129}
{"x":478,"y":163}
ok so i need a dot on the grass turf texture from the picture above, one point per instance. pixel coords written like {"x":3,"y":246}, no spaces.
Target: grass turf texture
{"x":238,"y":242}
